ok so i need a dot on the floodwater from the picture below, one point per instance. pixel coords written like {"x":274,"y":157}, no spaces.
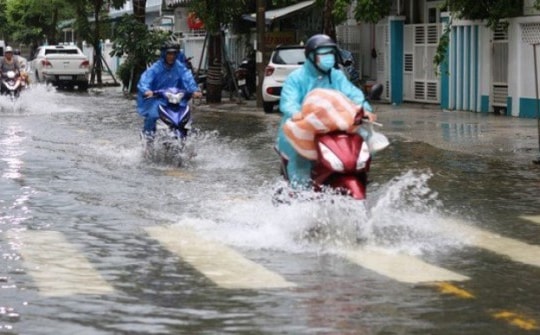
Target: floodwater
{"x":97,"y":240}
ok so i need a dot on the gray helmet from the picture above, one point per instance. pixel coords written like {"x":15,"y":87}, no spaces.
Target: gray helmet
{"x":170,"y":47}
{"x":318,"y":41}
{"x":8,"y":49}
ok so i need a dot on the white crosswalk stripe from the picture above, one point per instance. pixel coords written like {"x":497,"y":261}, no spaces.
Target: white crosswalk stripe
{"x":531,"y":218}
{"x":57,"y":266}
{"x":400,"y":267}
{"x":516,"y":250}
{"x":224,"y":266}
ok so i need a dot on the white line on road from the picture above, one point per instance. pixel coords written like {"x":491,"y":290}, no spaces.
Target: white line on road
{"x":57,"y":267}
{"x":516,"y":250}
{"x":400,"y":267}
{"x":532,"y":218}
{"x":223,"y":265}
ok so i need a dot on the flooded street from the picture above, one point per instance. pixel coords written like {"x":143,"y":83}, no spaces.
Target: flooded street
{"x":97,"y":240}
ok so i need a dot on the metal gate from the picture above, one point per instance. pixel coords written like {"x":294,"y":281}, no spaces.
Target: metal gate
{"x":499,"y":69}
{"x":383,"y":50}
{"x":420,"y":82}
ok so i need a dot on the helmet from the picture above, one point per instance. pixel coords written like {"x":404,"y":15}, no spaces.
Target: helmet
{"x":8,"y":49}
{"x":170,"y":47}
{"x":318,"y":41}
{"x":17,"y":51}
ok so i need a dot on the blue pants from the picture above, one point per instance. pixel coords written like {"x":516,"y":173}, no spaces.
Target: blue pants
{"x":148,"y":108}
{"x":298,"y":167}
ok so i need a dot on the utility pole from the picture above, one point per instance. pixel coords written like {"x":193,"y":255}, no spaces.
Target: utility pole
{"x":261,"y":27}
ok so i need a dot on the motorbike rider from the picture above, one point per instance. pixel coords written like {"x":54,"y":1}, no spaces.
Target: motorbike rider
{"x":9,"y":63}
{"x":167,"y":72}
{"x":319,"y":71}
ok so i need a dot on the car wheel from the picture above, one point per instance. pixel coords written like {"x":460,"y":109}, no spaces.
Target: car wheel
{"x":268,"y":107}
{"x":82,"y":86}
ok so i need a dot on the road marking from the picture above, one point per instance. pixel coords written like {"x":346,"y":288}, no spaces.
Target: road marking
{"x":223,"y":265}
{"x":532,"y":218}
{"x":57,"y":266}
{"x":518,"y":251}
{"x":516,"y":320}
{"x":448,"y":288}
{"x":180,"y":174}
{"x":400,"y":267}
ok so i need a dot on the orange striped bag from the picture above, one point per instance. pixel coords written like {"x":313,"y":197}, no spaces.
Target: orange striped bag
{"x":323,"y":111}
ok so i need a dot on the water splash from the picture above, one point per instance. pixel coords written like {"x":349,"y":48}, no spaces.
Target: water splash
{"x":36,"y":99}
{"x":401,"y":215}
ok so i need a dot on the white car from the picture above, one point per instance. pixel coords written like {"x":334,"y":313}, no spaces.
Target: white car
{"x":284,"y":60}
{"x":61,"y":65}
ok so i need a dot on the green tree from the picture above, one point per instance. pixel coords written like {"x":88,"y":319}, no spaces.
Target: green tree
{"x":35,"y":21}
{"x":92,"y":33}
{"x":133,"y":40}
{"x":215,"y":14}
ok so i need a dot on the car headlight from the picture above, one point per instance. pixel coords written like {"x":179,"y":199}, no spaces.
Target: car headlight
{"x":331,"y":158}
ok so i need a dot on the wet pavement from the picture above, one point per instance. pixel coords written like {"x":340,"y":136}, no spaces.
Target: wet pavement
{"x":475,"y":133}
{"x":95,"y":239}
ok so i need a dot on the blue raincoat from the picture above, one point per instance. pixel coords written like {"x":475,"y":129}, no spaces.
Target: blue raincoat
{"x":161,"y":76}
{"x":297,"y":85}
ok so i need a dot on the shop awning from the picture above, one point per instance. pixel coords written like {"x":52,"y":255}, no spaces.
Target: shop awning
{"x":280,"y":13}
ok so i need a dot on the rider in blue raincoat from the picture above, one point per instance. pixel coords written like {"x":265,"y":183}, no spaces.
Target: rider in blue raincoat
{"x":167,"y":72}
{"x":319,"y":71}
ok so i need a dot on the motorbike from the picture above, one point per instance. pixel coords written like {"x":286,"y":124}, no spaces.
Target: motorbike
{"x":172,"y":128}
{"x":246,"y":76}
{"x":12,"y":84}
{"x":348,"y":65}
{"x":344,"y":158}
{"x":199,"y":76}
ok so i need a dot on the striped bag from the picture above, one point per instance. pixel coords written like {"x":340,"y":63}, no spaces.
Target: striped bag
{"x":323,"y":111}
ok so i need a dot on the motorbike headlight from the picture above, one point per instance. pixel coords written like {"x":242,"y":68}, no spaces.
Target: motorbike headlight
{"x":11,"y":74}
{"x":363,"y":157}
{"x":174,"y":98}
{"x":331,"y":158}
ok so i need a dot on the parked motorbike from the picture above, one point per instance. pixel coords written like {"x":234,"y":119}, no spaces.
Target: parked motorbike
{"x":172,"y":128}
{"x":198,"y":75}
{"x":246,"y":75}
{"x":12,"y":84}
{"x":347,"y":62}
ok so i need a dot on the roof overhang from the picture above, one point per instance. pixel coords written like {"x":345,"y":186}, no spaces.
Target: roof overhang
{"x":280,"y":13}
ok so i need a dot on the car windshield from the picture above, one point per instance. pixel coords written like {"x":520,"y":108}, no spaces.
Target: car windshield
{"x":289,"y":56}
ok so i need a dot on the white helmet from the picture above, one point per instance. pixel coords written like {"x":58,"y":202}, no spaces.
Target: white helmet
{"x":8,"y":49}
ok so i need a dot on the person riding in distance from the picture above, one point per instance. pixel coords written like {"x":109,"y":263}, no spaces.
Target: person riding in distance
{"x":9,"y":62}
{"x":319,"y":71}
{"x":167,"y":72}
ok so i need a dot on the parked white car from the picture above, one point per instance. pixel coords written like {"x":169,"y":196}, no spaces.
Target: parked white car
{"x":284,"y":60}
{"x":62,"y":65}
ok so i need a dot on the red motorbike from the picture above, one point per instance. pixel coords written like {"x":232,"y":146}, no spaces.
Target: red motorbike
{"x":343,"y":163}
{"x":343,"y":158}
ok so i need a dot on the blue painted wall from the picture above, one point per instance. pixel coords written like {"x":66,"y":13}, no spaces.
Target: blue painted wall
{"x":396,"y":61}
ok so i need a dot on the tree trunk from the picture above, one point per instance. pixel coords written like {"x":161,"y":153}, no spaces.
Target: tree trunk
{"x":329,"y":27}
{"x":139,"y":10}
{"x":97,"y":66}
{"x":214,"y":78}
